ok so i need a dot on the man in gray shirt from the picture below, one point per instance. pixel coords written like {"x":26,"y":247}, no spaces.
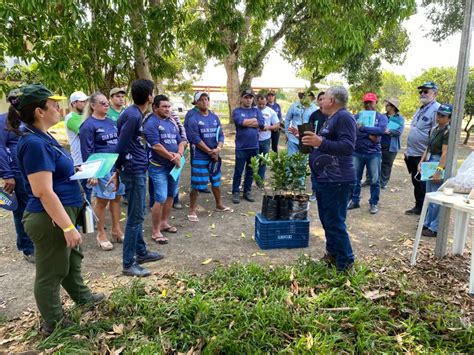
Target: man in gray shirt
{"x":421,"y":125}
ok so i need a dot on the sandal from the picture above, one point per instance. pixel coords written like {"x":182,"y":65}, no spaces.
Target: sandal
{"x":193,"y":218}
{"x":169,"y":229}
{"x":160,"y":239}
{"x":105,"y":245}
{"x":225,"y":209}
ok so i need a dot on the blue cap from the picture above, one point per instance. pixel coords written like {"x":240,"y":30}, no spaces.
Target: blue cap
{"x":445,"y":109}
{"x":428,"y":85}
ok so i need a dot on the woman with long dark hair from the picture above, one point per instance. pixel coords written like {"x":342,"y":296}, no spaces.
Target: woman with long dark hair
{"x":54,"y":205}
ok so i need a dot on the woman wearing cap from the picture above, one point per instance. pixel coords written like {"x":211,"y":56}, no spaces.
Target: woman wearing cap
{"x":53,"y":206}
{"x":391,"y":140}
{"x":436,"y":151}
{"x":98,"y":134}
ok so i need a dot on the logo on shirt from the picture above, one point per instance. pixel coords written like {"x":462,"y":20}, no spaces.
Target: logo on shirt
{"x":100,"y":130}
{"x":200,"y":123}
{"x":161,"y":128}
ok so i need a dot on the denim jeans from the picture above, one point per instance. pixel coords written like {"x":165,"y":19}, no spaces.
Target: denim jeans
{"x":263,"y":147}
{"x":314,"y":183}
{"x":372,"y":162}
{"x":332,"y":208}
{"x":23,"y":242}
{"x":135,"y":190}
{"x":431,"y":219}
{"x":388,"y":158}
{"x":293,"y":148}
{"x":242,"y":161}
{"x":151,"y":194}
{"x":164,"y":185}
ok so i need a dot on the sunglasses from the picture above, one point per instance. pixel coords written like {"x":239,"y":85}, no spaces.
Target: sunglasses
{"x":424,"y":91}
{"x":103,"y":103}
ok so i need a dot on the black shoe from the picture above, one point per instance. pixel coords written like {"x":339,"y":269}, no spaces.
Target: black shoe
{"x":236,"y":197}
{"x":149,"y":257}
{"x":136,"y":270}
{"x":248,"y":196}
{"x":95,"y":299}
{"x":178,"y":206}
{"x":414,"y":211}
{"x":352,"y":205}
{"x":429,"y":233}
{"x":47,"y":329}
{"x":374,"y":209}
{"x":328,"y":259}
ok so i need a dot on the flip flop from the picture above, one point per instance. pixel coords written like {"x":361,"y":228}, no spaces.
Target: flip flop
{"x":170,"y":229}
{"x":225,"y":209}
{"x":193,"y":218}
{"x":160,"y":240}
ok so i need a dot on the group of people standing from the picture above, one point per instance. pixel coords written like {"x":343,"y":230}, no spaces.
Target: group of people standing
{"x":151,"y":142}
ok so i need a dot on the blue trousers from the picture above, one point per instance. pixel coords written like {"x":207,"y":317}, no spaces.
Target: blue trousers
{"x":293,"y":148}
{"x":135,"y":190}
{"x":263,"y":147}
{"x":242,"y":161}
{"x":23,"y":242}
{"x":332,"y":208}
{"x":372,"y":162}
{"x":431,"y":219}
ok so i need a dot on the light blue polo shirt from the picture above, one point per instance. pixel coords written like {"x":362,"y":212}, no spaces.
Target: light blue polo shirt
{"x":421,"y":125}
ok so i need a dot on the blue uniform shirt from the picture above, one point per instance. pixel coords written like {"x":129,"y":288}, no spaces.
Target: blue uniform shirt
{"x":8,"y":142}
{"x":276,"y":107}
{"x":247,"y":137}
{"x":164,"y":132}
{"x":364,"y":144}
{"x":203,"y":128}
{"x":332,"y":161}
{"x":39,"y":151}
{"x":97,"y":136}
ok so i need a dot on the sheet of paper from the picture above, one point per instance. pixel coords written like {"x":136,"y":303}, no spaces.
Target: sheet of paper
{"x":87,"y":170}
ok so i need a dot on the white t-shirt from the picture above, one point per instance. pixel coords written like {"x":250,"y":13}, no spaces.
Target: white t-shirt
{"x":74,"y":142}
{"x":271,"y":118}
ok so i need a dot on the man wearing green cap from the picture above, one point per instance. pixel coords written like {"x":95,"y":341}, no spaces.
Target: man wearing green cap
{"x":117,"y":103}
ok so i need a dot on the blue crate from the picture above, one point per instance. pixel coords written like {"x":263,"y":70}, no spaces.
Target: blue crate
{"x":281,"y":234}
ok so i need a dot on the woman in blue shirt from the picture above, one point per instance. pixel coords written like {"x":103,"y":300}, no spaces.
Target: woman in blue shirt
{"x":54,"y":205}
{"x":98,"y":134}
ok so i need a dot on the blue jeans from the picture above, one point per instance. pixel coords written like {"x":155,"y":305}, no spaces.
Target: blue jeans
{"x":432,"y":214}
{"x":164,"y":185}
{"x":242,"y":161}
{"x":135,"y":190}
{"x":263,"y":147}
{"x":372,"y":162}
{"x":332,"y":208}
{"x":293,"y":148}
{"x":23,"y":242}
{"x":151,"y":193}
{"x":314,"y":183}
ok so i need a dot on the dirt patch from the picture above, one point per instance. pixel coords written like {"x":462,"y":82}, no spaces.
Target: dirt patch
{"x":227,"y":238}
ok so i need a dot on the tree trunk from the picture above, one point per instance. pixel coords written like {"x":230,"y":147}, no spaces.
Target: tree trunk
{"x":468,"y":129}
{"x":142,"y":68}
{"x":233,"y":83}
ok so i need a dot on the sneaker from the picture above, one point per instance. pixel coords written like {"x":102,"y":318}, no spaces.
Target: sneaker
{"x":383,"y":187}
{"x":136,"y":270}
{"x":149,"y":257}
{"x":30,"y":258}
{"x":374,"y":209}
{"x":429,"y":233}
{"x":352,"y":205}
{"x":414,"y":211}
{"x":178,"y":206}
{"x":312,"y":198}
{"x":236,"y":197}
{"x":248,"y":196}
{"x":47,"y":329}
{"x":328,"y":259}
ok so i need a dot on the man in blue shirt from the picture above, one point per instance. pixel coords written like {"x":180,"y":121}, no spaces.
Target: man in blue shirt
{"x":204,"y":131}
{"x":422,"y":123}
{"x":132,"y":164}
{"x":368,"y":153}
{"x":248,"y":120}
{"x":331,"y":162}
{"x":298,"y":114}
{"x":14,"y":182}
{"x":271,"y":102}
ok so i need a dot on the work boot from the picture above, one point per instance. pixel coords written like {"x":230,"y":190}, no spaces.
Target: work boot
{"x":136,"y":270}
{"x":149,"y":257}
{"x":248,"y":196}
{"x":236,"y":197}
{"x":47,"y":329}
{"x":414,"y":211}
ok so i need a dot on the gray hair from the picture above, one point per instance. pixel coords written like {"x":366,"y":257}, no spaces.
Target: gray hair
{"x":340,"y":93}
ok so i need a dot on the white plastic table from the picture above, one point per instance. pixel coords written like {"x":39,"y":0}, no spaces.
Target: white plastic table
{"x":462,"y":212}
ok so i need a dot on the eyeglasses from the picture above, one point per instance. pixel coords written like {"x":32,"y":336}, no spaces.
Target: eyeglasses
{"x":424,"y":91}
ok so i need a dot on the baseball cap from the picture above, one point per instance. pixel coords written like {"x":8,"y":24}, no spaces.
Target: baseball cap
{"x":445,"y":109}
{"x":32,"y":93}
{"x":78,"y":96}
{"x":394,"y":102}
{"x":428,"y":85}
{"x":117,"y":90}
{"x":272,"y":93}
{"x":370,"y":96}
{"x":247,"y":92}
{"x":198,"y":95}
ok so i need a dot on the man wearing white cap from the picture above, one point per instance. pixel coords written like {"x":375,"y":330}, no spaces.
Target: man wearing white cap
{"x":73,"y":121}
